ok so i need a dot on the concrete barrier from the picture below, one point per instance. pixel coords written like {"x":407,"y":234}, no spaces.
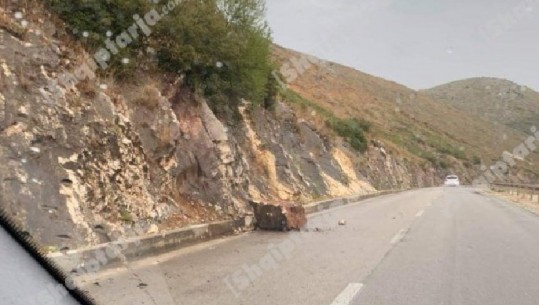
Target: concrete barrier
{"x":145,"y":246}
{"x":337,"y":202}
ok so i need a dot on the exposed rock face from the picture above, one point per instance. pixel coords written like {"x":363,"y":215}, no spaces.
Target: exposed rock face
{"x":293,"y":161}
{"x":279,"y":216}
{"x":81,"y":164}
{"x":387,"y":171}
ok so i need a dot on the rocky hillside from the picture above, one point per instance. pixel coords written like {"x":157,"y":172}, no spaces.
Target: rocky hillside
{"x":80,"y":160}
{"x":414,"y":125}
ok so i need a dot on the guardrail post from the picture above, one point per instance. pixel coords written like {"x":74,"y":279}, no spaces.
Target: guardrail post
{"x":522,"y":191}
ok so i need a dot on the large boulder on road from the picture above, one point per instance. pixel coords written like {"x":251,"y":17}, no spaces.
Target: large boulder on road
{"x":279,"y":216}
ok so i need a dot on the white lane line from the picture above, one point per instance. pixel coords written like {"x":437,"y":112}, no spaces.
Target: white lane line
{"x":348,"y":294}
{"x":419,"y":214}
{"x":398,"y":236}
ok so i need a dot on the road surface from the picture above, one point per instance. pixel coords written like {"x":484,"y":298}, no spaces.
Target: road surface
{"x":428,"y":246}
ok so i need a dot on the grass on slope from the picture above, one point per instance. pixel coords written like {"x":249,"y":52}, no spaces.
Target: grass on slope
{"x":417,"y":124}
{"x":351,"y":129}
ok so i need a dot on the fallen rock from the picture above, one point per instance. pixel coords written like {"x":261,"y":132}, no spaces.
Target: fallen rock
{"x":342,"y":222}
{"x":279,"y":216}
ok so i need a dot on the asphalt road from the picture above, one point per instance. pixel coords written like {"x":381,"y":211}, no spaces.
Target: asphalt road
{"x":429,"y":246}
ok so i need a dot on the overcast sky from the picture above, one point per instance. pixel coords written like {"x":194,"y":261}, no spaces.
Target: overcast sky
{"x":418,"y":43}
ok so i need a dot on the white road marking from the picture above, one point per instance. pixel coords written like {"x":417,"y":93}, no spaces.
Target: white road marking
{"x":419,"y":214}
{"x":348,"y":294}
{"x":398,"y":236}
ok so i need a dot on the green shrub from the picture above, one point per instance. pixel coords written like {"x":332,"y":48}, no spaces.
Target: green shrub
{"x":352,"y":130}
{"x":221,"y":48}
{"x":272,"y":89}
{"x":98,"y":17}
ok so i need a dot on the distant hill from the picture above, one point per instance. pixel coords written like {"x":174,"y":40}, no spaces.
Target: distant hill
{"x":496,"y":100}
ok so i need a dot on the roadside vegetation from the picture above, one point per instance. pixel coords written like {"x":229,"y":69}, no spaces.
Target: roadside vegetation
{"x":351,"y":129}
{"x":220,"y":48}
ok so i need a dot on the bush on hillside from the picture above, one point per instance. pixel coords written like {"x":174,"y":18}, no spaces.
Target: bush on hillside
{"x":220,"y":47}
{"x":353,"y":130}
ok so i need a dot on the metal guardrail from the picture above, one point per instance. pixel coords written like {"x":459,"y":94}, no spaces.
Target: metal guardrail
{"x":527,"y":192}
{"x":532,"y":187}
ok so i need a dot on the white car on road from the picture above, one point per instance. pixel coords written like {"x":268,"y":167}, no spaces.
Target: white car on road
{"x":451,"y":180}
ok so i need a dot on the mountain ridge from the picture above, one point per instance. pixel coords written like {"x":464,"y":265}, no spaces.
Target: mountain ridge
{"x":494,"y":99}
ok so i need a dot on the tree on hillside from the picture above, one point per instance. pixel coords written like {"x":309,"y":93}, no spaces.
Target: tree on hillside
{"x":222,"y":48}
